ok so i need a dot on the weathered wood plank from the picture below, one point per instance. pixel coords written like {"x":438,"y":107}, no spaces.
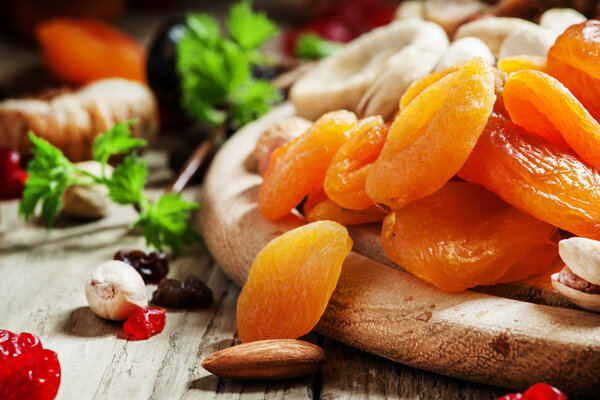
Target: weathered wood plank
{"x":353,"y":374}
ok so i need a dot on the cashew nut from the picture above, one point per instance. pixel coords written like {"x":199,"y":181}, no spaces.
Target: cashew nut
{"x":531,"y":40}
{"x":340,"y":81}
{"x":462,"y":50}
{"x":559,"y":19}
{"x":88,"y":201}
{"x":492,"y":31}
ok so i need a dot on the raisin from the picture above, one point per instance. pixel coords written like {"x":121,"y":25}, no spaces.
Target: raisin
{"x":191,"y":293}
{"x":27,"y":371}
{"x":151,"y":266}
{"x":145,"y":322}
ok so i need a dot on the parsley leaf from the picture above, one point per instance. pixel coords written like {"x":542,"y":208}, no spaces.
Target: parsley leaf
{"x":248,"y":28}
{"x":216,"y":71}
{"x":311,"y":46}
{"x":166,"y":222}
{"x":126,"y":185}
{"x":115,"y":141}
{"x":50,"y":173}
{"x":252,"y":100}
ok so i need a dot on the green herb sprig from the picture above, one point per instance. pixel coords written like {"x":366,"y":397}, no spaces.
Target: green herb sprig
{"x":216,"y":70}
{"x":310,"y":46}
{"x":164,"y":223}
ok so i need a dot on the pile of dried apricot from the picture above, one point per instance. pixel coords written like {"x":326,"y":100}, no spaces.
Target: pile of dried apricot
{"x":472,"y":178}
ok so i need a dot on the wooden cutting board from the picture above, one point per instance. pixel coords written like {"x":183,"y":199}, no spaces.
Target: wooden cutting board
{"x":390,"y":313}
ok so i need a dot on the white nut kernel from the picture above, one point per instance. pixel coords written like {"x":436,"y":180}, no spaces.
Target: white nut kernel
{"x":463,"y":50}
{"x":88,"y":201}
{"x":115,"y":291}
{"x":559,"y":19}
{"x":582,"y":256}
{"x":530,"y":40}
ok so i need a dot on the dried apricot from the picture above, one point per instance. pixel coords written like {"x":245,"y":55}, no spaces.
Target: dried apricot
{"x":347,"y":173}
{"x":461,"y":236}
{"x":542,"y":105}
{"x":328,"y":210}
{"x":81,"y":51}
{"x":519,"y":63}
{"x":574,"y":61}
{"x":417,"y":87}
{"x":291,"y":281}
{"x":431,"y":139}
{"x":538,"y":260}
{"x":299,"y":168}
{"x":542,"y":179}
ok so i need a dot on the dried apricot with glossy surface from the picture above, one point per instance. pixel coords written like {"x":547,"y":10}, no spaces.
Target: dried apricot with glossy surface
{"x":299,"y":168}
{"x":461,"y":236}
{"x":535,"y":176}
{"x":431,"y":139}
{"x":519,"y":63}
{"x":542,"y":105}
{"x":81,"y":51}
{"x":574,"y":61}
{"x":291,"y":281}
{"x":347,"y":173}
{"x":328,"y":210}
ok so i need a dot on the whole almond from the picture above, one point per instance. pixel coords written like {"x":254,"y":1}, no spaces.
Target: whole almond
{"x":266,"y":359}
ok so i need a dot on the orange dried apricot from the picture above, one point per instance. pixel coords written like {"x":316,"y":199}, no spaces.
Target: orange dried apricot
{"x":300,"y":167}
{"x":535,"y":176}
{"x":328,"y":210}
{"x":431,"y":139}
{"x":538,"y":260}
{"x":542,"y":105}
{"x":81,"y":51}
{"x":347,"y":173}
{"x":573,"y":60}
{"x":518,"y":63}
{"x":461,"y":236}
{"x":418,"y":86}
{"x":291,"y":281}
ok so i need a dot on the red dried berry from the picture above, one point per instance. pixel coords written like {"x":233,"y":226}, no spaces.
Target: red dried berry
{"x":145,"y":322}
{"x":12,"y":176}
{"x":27,"y":371}
{"x":12,"y":345}
{"x":539,"y":391}
{"x":543,"y":391}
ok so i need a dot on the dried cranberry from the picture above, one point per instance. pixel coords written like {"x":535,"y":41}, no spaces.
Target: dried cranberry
{"x":543,"y":391}
{"x":145,"y":322}
{"x":27,"y":371}
{"x":191,"y":293}
{"x":539,"y":391}
{"x":12,"y":176}
{"x":13,"y":345}
{"x":151,"y":266}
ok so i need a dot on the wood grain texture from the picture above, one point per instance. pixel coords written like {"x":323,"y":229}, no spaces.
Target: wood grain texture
{"x":390,"y":313}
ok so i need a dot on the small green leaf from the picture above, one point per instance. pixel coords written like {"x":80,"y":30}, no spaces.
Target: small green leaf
{"x":116,"y":140}
{"x":166,"y":222}
{"x":252,"y":100}
{"x":311,"y":46}
{"x":203,"y":26}
{"x":126,"y":185}
{"x":50,"y":173}
{"x":250,"y":29}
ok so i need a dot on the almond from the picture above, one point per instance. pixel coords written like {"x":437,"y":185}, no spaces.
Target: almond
{"x":266,"y":359}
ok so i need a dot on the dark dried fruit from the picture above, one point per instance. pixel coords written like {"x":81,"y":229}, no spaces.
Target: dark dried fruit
{"x":145,"y":322}
{"x":27,"y":371}
{"x":191,"y":293}
{"x":151,"y":266}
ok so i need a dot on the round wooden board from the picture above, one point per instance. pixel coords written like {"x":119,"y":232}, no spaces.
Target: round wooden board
{"x":390,"y":313}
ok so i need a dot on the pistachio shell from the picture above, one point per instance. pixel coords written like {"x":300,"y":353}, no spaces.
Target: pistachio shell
{"x":584,"y":300}
{"x":582,"y":256}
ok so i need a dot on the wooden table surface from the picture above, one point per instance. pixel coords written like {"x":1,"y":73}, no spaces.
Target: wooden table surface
{"x":42,"y":291}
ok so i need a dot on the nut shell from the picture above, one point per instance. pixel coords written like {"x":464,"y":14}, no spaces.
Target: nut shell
{"x":584,"y":300}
